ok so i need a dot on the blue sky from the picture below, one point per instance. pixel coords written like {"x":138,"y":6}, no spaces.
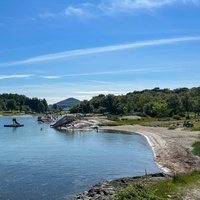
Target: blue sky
{"x":58,"y":49}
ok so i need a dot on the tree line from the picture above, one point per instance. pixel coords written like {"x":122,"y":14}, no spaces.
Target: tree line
{"x":22,"y":103}
{"x":155,"y":103}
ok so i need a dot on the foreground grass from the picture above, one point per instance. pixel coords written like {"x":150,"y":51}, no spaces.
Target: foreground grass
{"x":178,"y":186}
{"x":175,"y":188}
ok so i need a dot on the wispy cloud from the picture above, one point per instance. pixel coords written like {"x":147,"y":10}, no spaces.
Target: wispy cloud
{"x":67,"y":54}
{"x":115,"y":6}
{"x":47,"y":15}
{"x":111,"y":7}
{"x":51,"y":77}
{"x":83,"y":10}
{"x":14,"y":76}
{"x":128,"y":71}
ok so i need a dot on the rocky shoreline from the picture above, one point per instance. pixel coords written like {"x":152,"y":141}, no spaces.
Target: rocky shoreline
{"x":106,"y":189}
{"x":172,"y":152}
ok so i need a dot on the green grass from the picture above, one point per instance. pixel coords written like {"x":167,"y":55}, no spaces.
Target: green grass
{"x":136,"y":191}
{"x":143,"y":121}
{"x":196,"y":148}
{"x":175,"y":187}
{"x":7,"y":113}
{"x":196,"y":127}
{"x":166,"y":122}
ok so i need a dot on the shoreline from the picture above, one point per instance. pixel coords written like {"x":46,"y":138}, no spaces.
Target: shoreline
{"x":171,"y":148}
{"x":162,"y":168}
{"x":172,"y":153}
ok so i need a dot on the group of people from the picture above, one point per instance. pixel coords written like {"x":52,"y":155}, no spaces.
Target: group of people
{"x":188,"y":124}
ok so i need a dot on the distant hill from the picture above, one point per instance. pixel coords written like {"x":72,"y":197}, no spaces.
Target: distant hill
{"x":67,"y":103}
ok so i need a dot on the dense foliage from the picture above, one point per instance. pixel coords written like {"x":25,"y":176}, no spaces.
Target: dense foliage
{"x":155,"y":103}
{"x":22,"y":103}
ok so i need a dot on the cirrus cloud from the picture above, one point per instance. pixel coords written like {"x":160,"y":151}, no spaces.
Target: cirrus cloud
{"x":14,"y":76}
{"x":96,"y":50}
{"x":110,"y":7}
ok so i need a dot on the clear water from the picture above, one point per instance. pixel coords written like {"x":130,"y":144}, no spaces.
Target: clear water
{"x":54,"y":165}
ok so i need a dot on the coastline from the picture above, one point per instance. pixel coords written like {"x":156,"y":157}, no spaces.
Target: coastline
{"x":172,"y":153}
{"x":171,"y":148}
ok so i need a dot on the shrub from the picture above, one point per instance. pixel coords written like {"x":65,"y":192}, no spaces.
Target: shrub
{"x":178,"y":179}
{"x":196,"y":148}
{"x":177,"y":117}
{"x":171,"y":127}
{"x":137,"y":191}
{"x":187,"y":117}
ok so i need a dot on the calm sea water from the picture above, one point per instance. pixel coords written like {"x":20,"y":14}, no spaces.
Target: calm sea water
{"x":55,"y":165}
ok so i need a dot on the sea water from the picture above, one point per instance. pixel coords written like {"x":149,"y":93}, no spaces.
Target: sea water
{"x":40,"y":163}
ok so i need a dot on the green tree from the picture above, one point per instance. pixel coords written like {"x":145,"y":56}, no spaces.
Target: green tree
{"x":55,"y":107}
{"x":86,"y":107}
{"x":161,"y":109}
{"x":174,"y":104}
{"x":111,"y":104}
{"x":41,"y":107}
{"x":186,"y":103}
{"x":11,"y":104}
{"x":74,"y":108}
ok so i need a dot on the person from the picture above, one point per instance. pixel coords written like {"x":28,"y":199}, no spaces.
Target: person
{"x":15,"y":121}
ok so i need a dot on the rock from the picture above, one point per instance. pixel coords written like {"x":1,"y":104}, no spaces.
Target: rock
{"x":105,"y":190}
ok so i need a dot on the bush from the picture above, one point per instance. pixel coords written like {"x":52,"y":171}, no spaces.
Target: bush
{"x":187,"y":117}
{"x":196,"y":148}
{"x":171,"y":127}
{"x":113,"y":117}
{"x":177,"y":117}
{"x":137,"y":191}
{"x":178,"y":179}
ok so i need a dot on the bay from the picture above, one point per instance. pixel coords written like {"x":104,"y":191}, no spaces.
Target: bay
{"x":39,"y":162}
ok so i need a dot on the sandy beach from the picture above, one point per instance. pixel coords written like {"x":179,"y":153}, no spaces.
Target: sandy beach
{"x":172,"y":148}
{"x":172,"y":151}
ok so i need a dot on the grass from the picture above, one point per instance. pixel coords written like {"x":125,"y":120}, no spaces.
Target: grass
{"x":196,"y":127}
{"x":142,"y":121}
{"x":196,"y":148}
{"x":7,"y":113}
{"x":178,"y":186}
{"x":166,"y":122}
{"x":175,"y":187}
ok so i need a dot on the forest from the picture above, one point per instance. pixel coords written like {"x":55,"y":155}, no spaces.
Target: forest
{"x":154,"y":103}
{"x":11,"y":102}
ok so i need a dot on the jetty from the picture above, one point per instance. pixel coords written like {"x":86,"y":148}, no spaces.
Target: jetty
{"x":65,"y":120}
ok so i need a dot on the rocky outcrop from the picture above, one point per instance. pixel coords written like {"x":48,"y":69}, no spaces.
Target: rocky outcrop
{"x":105,"y":190}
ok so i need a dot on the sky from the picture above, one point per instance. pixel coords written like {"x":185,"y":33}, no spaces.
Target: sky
{"x":57,"y":49}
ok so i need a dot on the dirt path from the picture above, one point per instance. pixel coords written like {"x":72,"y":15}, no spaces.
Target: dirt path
{"x":172,"y":148}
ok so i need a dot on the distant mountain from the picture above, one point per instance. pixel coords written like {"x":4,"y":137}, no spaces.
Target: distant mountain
{"x":67,"y":103}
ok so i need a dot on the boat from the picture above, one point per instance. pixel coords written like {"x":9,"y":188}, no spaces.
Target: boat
{"x":13,"y":125}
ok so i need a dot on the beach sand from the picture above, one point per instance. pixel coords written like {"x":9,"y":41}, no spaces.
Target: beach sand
{"x":173,"y":154}
{"x":172,"y":148}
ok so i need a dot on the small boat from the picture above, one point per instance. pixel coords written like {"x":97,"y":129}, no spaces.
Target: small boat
{"x":13,"y":125}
